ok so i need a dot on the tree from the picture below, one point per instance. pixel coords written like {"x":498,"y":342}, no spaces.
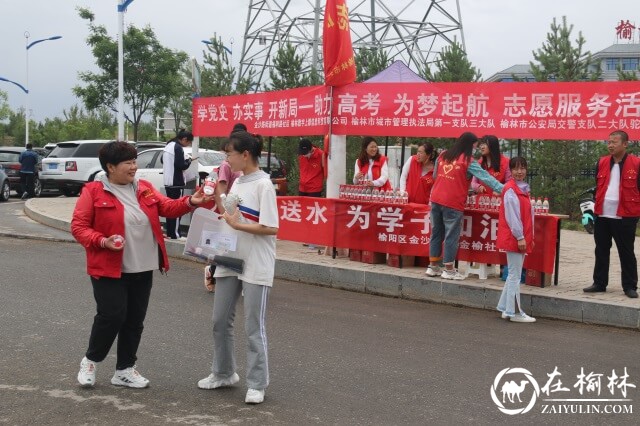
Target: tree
{"x":453,"y":65}
{"x":558,"y":59}
{"x":179,"y":104}
{"x":286,"y":72}
{"x":562,"y":167}
{"x":370,"y":62}
{"x":149,"y":71}
{"x":4,"y":106}
{"x":217,"y":72}
{"x":626,"y":75}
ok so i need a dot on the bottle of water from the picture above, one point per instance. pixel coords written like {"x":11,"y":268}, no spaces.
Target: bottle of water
{"x":538,"y":208}
{"x":405,"y":197}
{"x":397,"y":196}
{"x":545,"y":206}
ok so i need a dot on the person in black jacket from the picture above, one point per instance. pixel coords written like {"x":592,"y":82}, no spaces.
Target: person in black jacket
{"x":174,"y":163}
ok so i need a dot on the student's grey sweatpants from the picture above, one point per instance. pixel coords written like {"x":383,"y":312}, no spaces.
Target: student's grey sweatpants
{"x":228,"y":290}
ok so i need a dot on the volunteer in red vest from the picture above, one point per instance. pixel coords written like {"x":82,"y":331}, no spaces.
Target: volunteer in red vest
{"x":371,"y":166}
{"x":617,"y":208}
{"x":311,"y":161}
{"x":417,"y":174}
{"x":493,"y":162}
{"x":515,"y":237}
{"x":452,"y":175}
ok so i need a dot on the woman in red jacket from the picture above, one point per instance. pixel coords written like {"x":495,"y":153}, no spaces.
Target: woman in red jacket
{"x":417,"y":174}
{"x":116,"y":220}
{"x":371,"y":166}
{"x":496,"y":164}
{"x":515,"y":237}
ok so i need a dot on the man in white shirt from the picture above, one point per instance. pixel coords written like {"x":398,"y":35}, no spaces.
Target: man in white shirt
{"x":617,"y":207}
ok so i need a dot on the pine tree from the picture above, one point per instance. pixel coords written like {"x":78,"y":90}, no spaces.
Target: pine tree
{"x":562,"y":167}
{"x":559,"y":60}
{"x":370,"y":62}
{"x":626,"y":75}
{"x":453,"y":65}
{"x":286,"y":72}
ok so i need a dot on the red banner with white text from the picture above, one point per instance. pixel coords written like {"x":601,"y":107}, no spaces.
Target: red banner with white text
{"x":403,"y":229}
{"x":293,"y":112}
{"x":570,"y":111}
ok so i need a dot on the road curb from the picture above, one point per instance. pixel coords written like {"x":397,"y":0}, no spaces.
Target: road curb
{"x":364,"y":278}
{"x":44,"y":219}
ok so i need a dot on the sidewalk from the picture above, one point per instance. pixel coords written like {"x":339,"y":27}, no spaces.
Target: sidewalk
{"x":565,"y":301}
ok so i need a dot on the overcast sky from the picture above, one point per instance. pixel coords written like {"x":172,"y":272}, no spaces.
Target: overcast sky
{"x":498,"y":34}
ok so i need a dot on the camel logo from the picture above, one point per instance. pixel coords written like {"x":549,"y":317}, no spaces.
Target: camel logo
{"x":514,"y":390}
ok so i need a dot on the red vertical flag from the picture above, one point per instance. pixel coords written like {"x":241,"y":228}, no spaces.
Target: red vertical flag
{"x":339,"y":62}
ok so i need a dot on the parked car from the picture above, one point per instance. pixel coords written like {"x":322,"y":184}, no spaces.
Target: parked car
{"x":5,"y":189}
{"x":145,"y":145}
{"x":277,"y":170}
{"x":10,"y":159}
{"x":150,"y":165}
{"x":70,"y":165}
{"x":49,"y":147}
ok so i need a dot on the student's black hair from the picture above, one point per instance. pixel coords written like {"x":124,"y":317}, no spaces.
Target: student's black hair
{"x":494,"y":152}
{"x":242,"y":141}
{"x":429,"y":149}
{"x":182,"y":133}
{"x":115,"y":153}
{"x":517,"y":161}
{"x":239,"y":127}
{"x":462,"y":145}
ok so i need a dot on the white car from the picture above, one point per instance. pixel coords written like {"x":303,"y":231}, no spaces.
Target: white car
{"x":150,"y":165}
{"x":70,"y":165}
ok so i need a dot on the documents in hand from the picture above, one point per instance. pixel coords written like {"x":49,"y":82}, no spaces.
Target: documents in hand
{"x":211,"y":239}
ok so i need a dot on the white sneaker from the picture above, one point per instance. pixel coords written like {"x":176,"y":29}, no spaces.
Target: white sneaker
{"x":522,"y":318}
{"x":87,"y":373}
{"x":213,"y":382}
{"x":451,"y":274}
{"x":130,"y":378}
{"x":504,"y":316}
{"x":434,"y":271}
{"x":254,"y":396}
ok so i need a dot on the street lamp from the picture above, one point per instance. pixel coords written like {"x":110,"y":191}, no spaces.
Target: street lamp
{"x":209,"y":42}
{"x":26,"y":112}
{"x":122,"y":8}
{"x":24,"y":89}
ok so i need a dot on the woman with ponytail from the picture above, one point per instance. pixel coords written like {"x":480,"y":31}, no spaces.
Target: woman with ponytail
{"x":255,"y":220}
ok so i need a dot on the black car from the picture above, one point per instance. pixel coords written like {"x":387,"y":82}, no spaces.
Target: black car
{"x":5,"y":189}
{"x":10,"y":159}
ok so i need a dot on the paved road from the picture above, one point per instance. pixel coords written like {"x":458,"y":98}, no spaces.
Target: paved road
{"x":336,"y":357}
{"x":15,"y":222}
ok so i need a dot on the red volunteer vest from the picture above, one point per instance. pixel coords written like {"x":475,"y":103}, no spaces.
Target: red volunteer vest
{"x":376,"y":170}
{"x":506,"y":240}
{"x":418,"y":186}
{"x":500,"y":175}
{"x":452,"y":184}
{"x":311,"y":171}
{"x":629,"y":197}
